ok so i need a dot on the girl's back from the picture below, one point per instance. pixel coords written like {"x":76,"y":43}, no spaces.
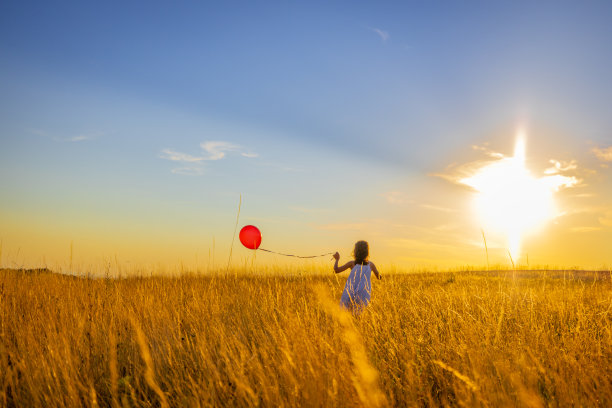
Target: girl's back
{"x":358,"y":287}
{"x":359,"y":279}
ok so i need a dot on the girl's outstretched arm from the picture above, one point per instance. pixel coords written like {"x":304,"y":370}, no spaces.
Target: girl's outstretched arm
{"x":375,"y":270}
{"x":344,"y":267}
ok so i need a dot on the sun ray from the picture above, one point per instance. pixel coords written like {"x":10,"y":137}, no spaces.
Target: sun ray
{"x":511,"y":200}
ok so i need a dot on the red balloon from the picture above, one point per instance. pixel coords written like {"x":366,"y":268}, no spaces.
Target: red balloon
{"x":250,"y":237}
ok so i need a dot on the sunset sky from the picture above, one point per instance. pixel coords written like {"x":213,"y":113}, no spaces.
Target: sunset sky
{"x":131,"y":129}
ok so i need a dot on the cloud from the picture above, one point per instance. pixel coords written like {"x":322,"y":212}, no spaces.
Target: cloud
{"x":500,"y":164}
{"x":74,"y":139}
{"x":604,"y":154}
{"x":437,"y":208}
{"x":557,"y":182}
{"x":78,"y":138}
{"x":211,"y":151}
{"x":585,"y":229}
{"x":384,"y":35}
{"x":559,"y":167}
{"x":38,"y":132}
{"x":606,"y":219}
{"x":447,"y":227}
{"x":216,"y":149}
{"x":188,"y":171}
{"x":170,"y":154}
{"x":486,"y":150}
{"x":397,"y":197}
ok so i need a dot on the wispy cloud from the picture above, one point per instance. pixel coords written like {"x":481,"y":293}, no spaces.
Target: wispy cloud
{"x":211,"y":150}
{"x":447,"y":227}
{"x":437,"y":208}
{"x":397,"y":197}
{"x":604,"y":154}
{"x":250,"y":155}
{"x":551,"y":178}
{"x":81,"y":137}
{"x":486,"y":150}
{"x":216,"y":150}
{"x":78,"y":138}
{"x":560,"y":167}
{"x":585,"y":229}
{"x":606,"y":219}
{"x":384,"y":35}
{"x":170,"y":154}
{"x":188,"y":171}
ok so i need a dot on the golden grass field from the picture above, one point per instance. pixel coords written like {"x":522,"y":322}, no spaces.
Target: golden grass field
{"x":428,"y":339}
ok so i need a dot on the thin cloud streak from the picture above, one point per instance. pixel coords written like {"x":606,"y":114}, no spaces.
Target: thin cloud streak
{"x":211,"y":151}
{"x":169,"y":154}
{"x":188,"y":171}
{"x":603,"y":154}
{"x":560,"y":167}
{"x":437,"y":208}
{"x":606,"y":219}
{"x":585,"y":229}
{"x":384,"y":35}
{"x":216,"y":149}
{"x":78,"y":138}
{"x":551,"y":178}
{"x":396,"y":197}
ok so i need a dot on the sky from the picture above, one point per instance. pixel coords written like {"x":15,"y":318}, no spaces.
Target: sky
{"x":131,"y":131}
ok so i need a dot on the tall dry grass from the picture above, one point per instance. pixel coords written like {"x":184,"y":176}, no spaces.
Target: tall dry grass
{"x":470,"y":339}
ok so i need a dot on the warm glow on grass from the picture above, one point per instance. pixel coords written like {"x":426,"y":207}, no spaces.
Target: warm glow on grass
{"x":241,"y":339}
{"x":511,"y":200}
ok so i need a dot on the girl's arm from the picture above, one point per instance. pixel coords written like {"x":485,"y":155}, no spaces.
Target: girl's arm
{"x":375,"y":270}
{"x":344,"y":267}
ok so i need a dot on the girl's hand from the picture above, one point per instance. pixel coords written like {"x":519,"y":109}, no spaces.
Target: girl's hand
{"x":336,"y":256}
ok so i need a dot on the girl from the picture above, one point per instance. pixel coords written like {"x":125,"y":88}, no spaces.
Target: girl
{"x":358,"y":286}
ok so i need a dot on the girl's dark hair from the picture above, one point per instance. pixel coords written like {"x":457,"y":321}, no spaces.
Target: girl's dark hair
{"x":361,"y":252}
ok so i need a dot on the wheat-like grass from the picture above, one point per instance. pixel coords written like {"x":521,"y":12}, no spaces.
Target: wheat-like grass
{"x":427,"y":339}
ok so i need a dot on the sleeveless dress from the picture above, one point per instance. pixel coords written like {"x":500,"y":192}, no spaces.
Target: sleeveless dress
{"x":358,"y":287}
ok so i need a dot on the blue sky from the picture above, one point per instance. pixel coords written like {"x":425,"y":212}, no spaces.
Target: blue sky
{"x":322,"y":109}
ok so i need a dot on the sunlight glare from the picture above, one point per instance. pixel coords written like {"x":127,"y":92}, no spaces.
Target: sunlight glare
{"x":511,"y":200}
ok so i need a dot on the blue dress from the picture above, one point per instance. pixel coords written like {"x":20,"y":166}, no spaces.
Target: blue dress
{"x":358,"y":287}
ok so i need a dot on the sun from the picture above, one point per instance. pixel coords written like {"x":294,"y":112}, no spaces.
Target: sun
{"x":511,"y":200}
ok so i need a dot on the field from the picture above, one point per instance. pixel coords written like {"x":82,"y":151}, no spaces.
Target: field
{"x":467,"y":338}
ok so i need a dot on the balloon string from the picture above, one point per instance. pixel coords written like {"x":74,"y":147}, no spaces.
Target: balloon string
{"x":295,"y":256}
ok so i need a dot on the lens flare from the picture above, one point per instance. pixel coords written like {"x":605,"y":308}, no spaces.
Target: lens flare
{"x":511,"y":200}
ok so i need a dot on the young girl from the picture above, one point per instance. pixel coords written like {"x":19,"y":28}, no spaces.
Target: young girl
{"x":358,"y":285}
